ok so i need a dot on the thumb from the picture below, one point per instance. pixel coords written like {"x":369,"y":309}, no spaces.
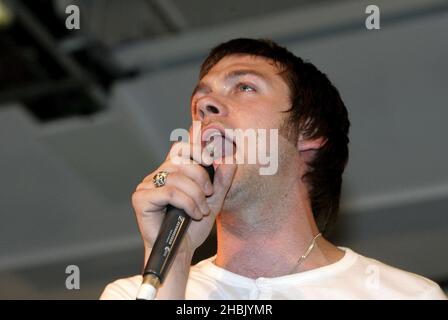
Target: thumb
{"x":224,"y":175}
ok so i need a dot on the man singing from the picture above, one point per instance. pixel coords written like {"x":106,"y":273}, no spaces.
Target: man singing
{"x":269,"y":227}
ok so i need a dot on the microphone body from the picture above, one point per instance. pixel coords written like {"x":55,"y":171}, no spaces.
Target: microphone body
{"x":168,"y":240}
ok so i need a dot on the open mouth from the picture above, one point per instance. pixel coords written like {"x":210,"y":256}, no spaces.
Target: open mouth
{"x":218,"y":145}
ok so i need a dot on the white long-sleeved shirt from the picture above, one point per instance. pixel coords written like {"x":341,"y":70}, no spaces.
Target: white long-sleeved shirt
{"x":352,"y":277}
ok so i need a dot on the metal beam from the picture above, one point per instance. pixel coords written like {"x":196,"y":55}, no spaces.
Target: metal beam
{"x":302,"y":24}
{"x":171,"y":16}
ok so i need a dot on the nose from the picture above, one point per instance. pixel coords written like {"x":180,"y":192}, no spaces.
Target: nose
{"x":208,"y":107}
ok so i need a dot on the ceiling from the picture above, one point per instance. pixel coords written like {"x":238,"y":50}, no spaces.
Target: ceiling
{"x":114,"y":22}
{"x":68,"y":165}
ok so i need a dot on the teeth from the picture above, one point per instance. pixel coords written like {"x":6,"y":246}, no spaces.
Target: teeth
{"x":217,"y":145}
{"x":212,"y":134}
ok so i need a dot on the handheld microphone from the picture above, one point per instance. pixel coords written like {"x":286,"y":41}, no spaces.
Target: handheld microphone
{"x":171,"y":233}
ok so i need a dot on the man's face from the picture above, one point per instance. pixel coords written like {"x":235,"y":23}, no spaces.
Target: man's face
{"x":242,"y":92}
{"x":247,"y":91}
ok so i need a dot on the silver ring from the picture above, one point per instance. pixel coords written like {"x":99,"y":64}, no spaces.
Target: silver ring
{"x":159,"y":178}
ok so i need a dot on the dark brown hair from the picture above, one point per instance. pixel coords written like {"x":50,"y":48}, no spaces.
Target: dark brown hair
{"x":317,"y":110}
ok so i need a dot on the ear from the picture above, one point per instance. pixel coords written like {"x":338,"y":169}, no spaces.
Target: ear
{"x":304,"y":145}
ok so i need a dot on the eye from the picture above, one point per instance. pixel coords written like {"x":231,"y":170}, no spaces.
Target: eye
{"x":245,"y":87}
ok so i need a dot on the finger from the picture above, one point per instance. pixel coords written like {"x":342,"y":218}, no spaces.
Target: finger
{"x":184,"y":152}
{"x":186,"y":185}
{"x":193,"y":171}
{"x":157,"y":199}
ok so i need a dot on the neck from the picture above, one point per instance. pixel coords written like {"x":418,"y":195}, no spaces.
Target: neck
{"x":267,"y":239}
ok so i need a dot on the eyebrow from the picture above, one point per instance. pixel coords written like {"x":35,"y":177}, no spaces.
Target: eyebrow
{"x":202,"y":87}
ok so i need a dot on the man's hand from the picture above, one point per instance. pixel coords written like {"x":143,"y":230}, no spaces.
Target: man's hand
{"x":187,"y":187}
